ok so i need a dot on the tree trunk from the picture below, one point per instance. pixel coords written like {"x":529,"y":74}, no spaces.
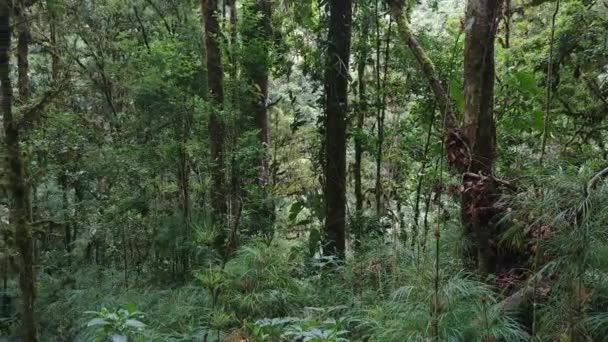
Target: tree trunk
{"x":55,"y":62}
{"x":470,"y":149}
{"x":183,"y":179}
{"x":379,"y":118}
{"x":215,"y":76}
{"x":381,"y":109}
{"x":361,"y":113}
{"x":479,"y":197}
{"x":257,"y":34}
{"x":19,"y":215}
{"x":336,"y":91}
{"x":65,"y":203}
{"x":23,"y":32}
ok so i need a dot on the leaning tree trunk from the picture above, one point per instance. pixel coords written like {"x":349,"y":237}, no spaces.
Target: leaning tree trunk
{"x":215,"y":76}
{"x":257,"y":36}
{"x":336,"y":91}
{"x":479,"y":195}
{"x":19,"y":215}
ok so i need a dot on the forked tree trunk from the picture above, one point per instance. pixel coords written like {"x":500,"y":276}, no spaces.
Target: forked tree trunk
{"x":19,"y":215}
{"x":336,"y":91}
{"x":470,"y":149}
{"x":215,"y":78}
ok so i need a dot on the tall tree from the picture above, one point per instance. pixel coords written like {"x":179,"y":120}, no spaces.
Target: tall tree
{"x":20,"y":208}
{"x":361,"y":112}
{"x":380,"y":106}
{"x":23,"y":34}
{"x":479,"y":129}
{"x":257,"y":37}
{"x":215,"y":77}
{"x":336,"y":105}
{"x":470,"y":149}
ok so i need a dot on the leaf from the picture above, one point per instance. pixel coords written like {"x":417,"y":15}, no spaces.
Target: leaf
{"x":295,"y":210}
{"x":303,"y":222}
{"x":313,"y":241}
{"x":133,"y":323}
{"x":537,"y":120}
{"x":97,"y":322}
{"x":456,"y":93}
{"x":527,"y":83}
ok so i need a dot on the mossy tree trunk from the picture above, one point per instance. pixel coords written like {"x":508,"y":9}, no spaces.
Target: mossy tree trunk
{"x":20,"y":207}
{"x":471,"y":148}
{"x":215,"y":79}
{"x":479,"y":196}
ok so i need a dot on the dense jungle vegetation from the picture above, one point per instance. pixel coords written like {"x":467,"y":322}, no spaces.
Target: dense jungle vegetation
{"x":304,"y":170}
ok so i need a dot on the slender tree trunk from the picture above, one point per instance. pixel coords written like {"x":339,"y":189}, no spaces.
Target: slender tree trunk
{"x":234,"y":133}
{"x":379,"y":120}
{"x":381,"y":108}
{"x":23,"y":32}
{"x":421,"y":176}
{"x":257,"y":34}
{"x":19,"y":215}
{"x":215,"y":77}
{"x":55,"y":62}
{"x":336,"y":91}
{"x":67,"y":228}
{"x":183,"y":175}
{"x":479,"y":128}
{"x":361,"y":113}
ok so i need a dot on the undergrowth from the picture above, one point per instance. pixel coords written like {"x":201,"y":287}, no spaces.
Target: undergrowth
{"x":386,"y":292}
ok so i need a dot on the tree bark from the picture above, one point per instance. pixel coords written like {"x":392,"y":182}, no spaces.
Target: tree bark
{"x":470,"y":149}
{"x":336,"y":91}
{"x":361,"y":112}
{"x":215,"y":76}
{"x":381,"y":109}
{"x":457,"y":149}
{"x":479,"y":196}
{"x":23,"y":32}
{"x":19,"y":215}
{"x":427,"y":66}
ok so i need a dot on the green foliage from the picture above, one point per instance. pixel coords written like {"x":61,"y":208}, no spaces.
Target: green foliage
{"x":113,"y":324}
{"x":119,"y":172}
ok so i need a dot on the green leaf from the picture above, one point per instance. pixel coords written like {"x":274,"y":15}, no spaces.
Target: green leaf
{"x":537,"y":120}
{"x":303,"y":222}
{"x":526,"y":83}
{"x":97,"y":322}
{"x":131,"y":307}
{"x":313,"y":241}
{"x":456,"y":93}
{"x":133,"y":323}
{"x":294,"y":210}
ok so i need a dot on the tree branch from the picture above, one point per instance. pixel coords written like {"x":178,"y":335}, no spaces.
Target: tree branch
{"x":428,"y":68}
{"x":33,"y":112}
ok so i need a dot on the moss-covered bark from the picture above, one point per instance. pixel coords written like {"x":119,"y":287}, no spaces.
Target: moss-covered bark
{"x":20,"y":208}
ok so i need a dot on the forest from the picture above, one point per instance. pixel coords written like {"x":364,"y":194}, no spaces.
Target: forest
{"x":304,"y":170}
